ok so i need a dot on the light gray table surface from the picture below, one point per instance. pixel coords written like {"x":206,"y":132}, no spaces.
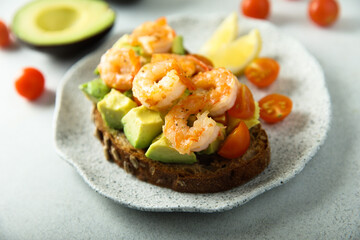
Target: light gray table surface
{"x":43,"y":197}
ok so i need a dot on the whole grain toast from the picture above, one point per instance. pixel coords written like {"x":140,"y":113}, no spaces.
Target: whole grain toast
{"x":212,"y":173}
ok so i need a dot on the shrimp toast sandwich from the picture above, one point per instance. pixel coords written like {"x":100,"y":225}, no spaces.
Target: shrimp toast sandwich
{"x":171,"y":119}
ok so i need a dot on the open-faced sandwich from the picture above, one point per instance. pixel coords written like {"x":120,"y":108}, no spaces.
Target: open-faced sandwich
{"x":171,"y":119}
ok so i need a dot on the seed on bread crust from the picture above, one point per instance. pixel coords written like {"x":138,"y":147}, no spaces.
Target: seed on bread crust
{"x":107,"y":141}
{"x":127,"y":167}
{"x":106,"y":153}
{"x":152,"y":171}
{"x":134,"y":161}
{"x":181,"y":183}
{"x":115,"y":154}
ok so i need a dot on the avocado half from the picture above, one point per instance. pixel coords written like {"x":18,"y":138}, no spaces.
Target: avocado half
{"x":62,"y":26}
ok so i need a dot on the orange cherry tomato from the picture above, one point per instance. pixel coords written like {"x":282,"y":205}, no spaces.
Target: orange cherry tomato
{"x":324,"y":12}
{"x":30,"y":84}
{"x":244,"y":106}
{"x":4,"y":35}
{"x":256,"y":8}
{"x":262,"y":72}
{"x":236,"y":143}
{"x":275,"y":107}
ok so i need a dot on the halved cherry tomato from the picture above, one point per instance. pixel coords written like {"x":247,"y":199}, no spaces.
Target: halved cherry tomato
{"x":275,"y":107}
{"x":4,"y":35}
{"x":236,"y":143}
{"x":30,"y":84}
{"x":256,"y":8}
{"x":262,"y":72}
{"x":323,"y":12}
{"x":244,"y":106}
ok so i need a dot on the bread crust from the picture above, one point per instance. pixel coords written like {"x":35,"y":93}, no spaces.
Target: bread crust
{"x":212,"y":173}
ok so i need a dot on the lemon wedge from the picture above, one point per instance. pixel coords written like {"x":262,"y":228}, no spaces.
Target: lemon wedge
{"x":236,"y":55}
{"x":224,"y":34}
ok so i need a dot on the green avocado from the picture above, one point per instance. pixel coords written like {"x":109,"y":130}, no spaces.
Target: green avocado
{"x":95,"y":90}
{"x":141,"y":126}
{"x":178,"y":45}
{"x":162,"y":151}
{"x":214,"y":146}
{"x":113,"y":107}
{"x":123,"y":42}
{"x":57,"y":24}
{"x":96,"y":71}
{"x":129,"y":94}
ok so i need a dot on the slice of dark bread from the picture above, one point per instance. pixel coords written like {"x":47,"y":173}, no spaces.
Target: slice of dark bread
{"x":211,"y":173}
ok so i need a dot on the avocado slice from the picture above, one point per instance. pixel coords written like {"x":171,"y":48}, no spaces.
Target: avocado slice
{"x":113,"y":107}
{"x":95,"y":90}
{"x":141,"y":126}
{"x":178,"y":45}
{"x":162,"y":151}
{"x":62,"y":26}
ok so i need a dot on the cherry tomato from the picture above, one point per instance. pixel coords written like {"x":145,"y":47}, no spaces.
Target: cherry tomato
{"x":256,"y":8}
{"x":275,"y":107}
{"x":244,"y":106}
{"x":30,"y":84}
{"x":4,"y":35}
{"x":236,"y":143}
{"x":262,"y":72}
{"x":323,"y":12}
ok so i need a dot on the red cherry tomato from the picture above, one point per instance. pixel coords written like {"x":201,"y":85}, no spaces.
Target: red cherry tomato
{"x":4,"y":35}
{"x":30,"y":84}
{"x":244,"y":106}
{"x":262,"y":72}
{"x":324,"y":12}
{"x":236,"y":143}
{"x":275,"y":107}
{"x":256,"y":8}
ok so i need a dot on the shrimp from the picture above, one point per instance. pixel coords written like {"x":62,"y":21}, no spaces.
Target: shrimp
{"x":158,"y":85}
{"x":154,"y":37}
{"x":189,"y":63}
{"x":184,"y":138}
{"x":118,"y":67}
{"x":221,"y":86}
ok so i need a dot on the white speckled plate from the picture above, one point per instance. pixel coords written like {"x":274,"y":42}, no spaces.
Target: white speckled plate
{"x":293,"y":141}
